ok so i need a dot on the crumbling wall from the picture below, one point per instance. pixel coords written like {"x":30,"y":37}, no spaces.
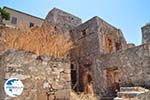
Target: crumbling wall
{"x":86,"y":38}
{"x":36,"y":72}
{"x":62,"y":19}
{"x":132,"y":66}
{"x":111,"y":39}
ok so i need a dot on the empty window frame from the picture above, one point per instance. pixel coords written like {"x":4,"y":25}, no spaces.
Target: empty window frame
{"x":31,"y":24}
{"x":14,"y":20}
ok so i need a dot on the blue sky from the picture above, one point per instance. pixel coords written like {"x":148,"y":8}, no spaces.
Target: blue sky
{"x":127,"y":15}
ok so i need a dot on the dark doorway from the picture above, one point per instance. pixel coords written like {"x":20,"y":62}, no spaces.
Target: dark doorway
{"x":73,"y":76}
{"x":113,"y":77}
{"x":86,"y":81}
{"x":118,"y":46}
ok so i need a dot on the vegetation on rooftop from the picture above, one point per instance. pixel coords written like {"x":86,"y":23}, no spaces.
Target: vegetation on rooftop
{"x":4,"y":15}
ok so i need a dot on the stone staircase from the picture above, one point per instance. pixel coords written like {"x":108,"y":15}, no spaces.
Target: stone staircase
{"x":106,"y":98}
{"x":129,"y":93}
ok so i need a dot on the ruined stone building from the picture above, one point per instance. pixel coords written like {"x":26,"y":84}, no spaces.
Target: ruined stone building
{"x":94,"y":37}
{"x":101,"y":57}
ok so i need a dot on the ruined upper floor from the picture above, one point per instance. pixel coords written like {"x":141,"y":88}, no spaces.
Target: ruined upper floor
{"x":90,"y":38}
{"x":62,"y":19}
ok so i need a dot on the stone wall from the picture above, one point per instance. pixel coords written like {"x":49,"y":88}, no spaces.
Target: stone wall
{"x":86,"y":38}
{"x":144,"y":96}
{"x":146,"y":33}
{"x":62,"y":19}
{"x":130,"y":66}
{"x":111,"y":39}
{"x":35,"y":72}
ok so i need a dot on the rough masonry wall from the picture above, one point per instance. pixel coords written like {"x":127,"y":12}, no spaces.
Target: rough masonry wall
{"x":111,"y":39}
{"x":35,"y":72}
{"x":62,"y":19}
{"x":97,"y":37}
{"x":146,"y":33}
{"x":86,"y":42}
{"x":86,"y":38}
{"x":131,"y":66}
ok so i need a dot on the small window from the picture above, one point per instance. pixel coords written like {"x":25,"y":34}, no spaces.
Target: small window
{"x":14,"y":20}
{"x":84,"y":32}
{"x":73,"y":67}
{"x":109,"y":45}
{"x":31,"y":24}
{"x":118,"y":46}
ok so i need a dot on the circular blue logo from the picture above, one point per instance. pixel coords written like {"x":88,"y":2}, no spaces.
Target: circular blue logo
{"x":13,"y":87}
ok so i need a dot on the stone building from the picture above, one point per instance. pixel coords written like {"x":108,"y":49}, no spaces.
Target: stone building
{"x":92,"y":38}
{"x":102,"y":57}
{"x":18,"y":18}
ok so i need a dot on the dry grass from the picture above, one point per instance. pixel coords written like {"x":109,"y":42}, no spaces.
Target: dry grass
{"x":83,"y":96}
{"x":42,"y":41}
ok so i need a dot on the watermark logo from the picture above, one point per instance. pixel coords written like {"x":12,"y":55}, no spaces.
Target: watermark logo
{"x":13,"y":87}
